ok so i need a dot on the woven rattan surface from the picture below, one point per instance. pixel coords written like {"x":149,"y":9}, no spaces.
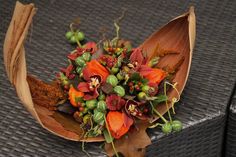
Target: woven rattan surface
{"x":204,"y":100}
{"x":230,"y":146}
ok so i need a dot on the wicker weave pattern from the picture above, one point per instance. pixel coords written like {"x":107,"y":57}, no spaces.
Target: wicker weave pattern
{"x":203,"y":104}
{"x":231,"y":130}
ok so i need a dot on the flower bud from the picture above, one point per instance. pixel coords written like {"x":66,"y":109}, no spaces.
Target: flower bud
{"x":120,"y":91}
{"x":141,"y":95}
{"x":111,"y":79}
{"x":120,"y":76}
{"x":78,"y":70}
{"x":114,"y":70}
{"x":101,"y":106}
{"x":145,"y":88}
{"x":91,"y":104}
{"x":101,"y":97}
{"x":80,"y":61}
{"x":98,"y":117}
{"x":86,"y":56}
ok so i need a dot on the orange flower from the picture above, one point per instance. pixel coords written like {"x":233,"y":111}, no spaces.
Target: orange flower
{"x":73,"y":94}
{"x":118,"y":123}
{"x":95,"y":68}
{"x":154,"y":75}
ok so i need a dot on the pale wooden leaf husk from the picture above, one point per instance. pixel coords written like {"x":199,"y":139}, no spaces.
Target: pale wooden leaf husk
{"x":15,"y":65}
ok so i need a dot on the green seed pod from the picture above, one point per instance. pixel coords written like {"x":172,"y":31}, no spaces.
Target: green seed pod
{"x":80,"y":36}
{"x":80,"y":61}
{"x":114,"y":70}
{"x":73,"y":40}
{"x":176,"y":125}
{"x":91,"y":104}
{"x":166,"y":128}
{"x":141,"y":95}
{"x":86,"y":56}
{"x":86,"y":118}
{"x":69,"y":34}
{"x":101,"y":97}
{"x":145,"y":88}
{"x":98,"y":117}
{"x":120,"y":76}
{"x":95,"y":111}
{"x":111,"y":79}
{"x":101,"y":106}
{"x":78,"y":70}
{"x":119,"y":91}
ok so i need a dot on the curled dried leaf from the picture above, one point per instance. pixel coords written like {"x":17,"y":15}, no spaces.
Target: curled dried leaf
{"x":130,"y":145}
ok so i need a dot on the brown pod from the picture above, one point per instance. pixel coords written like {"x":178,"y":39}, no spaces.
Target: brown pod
{"x":178,"y":35}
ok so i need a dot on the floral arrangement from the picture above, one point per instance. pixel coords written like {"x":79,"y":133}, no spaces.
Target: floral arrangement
{"x":110,"y":86}
{"x":110,"y":91}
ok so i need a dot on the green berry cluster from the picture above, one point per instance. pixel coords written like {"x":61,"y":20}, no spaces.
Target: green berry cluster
{"x":75,"y":36}
{"x":175,"y":126}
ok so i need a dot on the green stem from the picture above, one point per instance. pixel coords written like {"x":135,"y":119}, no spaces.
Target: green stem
{"x":71,"y":27}
{"x":79,"y":44}
{"x":158,"y":113}
{"x":112,"y":143}
{"x":174,"y":100}
{"x":155,"y":125}
{"x":83,"y":149}
{"x":169,"y":115}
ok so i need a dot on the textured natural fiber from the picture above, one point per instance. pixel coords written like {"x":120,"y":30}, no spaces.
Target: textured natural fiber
{"x":204,"y":99}
{"x":178,"y":35}
{"x":230,"y":139}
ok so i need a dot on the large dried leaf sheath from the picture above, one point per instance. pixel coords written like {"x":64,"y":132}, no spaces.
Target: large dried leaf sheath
{"x":178,"y":35}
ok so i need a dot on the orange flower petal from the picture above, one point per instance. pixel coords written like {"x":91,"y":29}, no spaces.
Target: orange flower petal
{"x":95,"y":68}
{"x":73,"y":94}
{"x":118,"y":123}
{"x":154,"y":75}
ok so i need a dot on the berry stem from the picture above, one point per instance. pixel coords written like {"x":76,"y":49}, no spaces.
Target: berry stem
{"x":155,"y":125}
{"x":174,"y":100}
{"x":169,"y":115}
{"x":83,"y":149}
{"x":79,"y":44}
{"x":112,"y":143}
{"x":158,"y":113}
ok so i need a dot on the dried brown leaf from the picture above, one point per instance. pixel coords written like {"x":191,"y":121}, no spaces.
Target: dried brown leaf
{"x":173,"y":69}
{"x":133,"y":144}
{"x":161,"y":52}
{"x":68,"y":123}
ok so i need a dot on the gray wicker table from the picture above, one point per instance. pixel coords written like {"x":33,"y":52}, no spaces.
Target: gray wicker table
{"x":230,"y":139}
{"x":204,"y":102}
